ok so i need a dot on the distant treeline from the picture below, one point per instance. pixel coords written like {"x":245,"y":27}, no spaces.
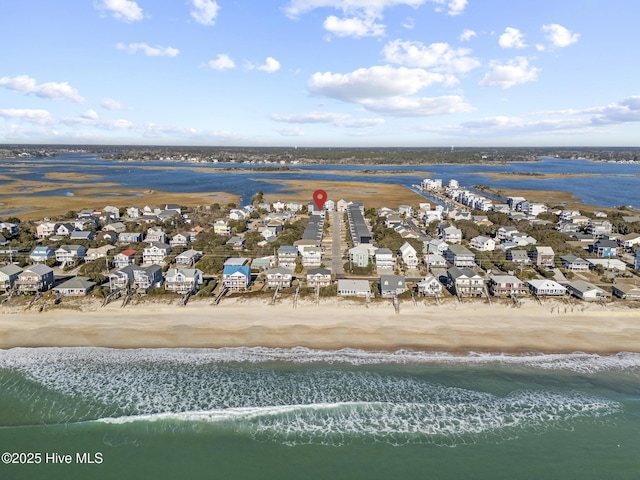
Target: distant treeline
{"x":305,"y":155}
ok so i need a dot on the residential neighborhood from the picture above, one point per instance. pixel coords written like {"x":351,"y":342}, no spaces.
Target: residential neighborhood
{"x":458,"y":243}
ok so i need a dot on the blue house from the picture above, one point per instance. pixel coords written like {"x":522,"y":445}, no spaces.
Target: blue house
{"x":236,"y":277}
{"x":41,"y":254}
{"x":605,"y":248}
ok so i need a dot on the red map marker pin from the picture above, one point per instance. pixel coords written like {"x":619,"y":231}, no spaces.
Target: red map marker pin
{"x":319,"y":197}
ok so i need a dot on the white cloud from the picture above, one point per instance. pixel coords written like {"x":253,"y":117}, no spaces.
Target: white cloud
{"x":418,"y":106}
{"x":205,"y":11}
{"x":290,"y":132}
{"x":360,"y":16}
{"x":625,"y":111}
{"x":336,"y":119}
{"x":455,"y":7}
{"x":90,"y":115}
{"x":516,"y":71}
{"x":387,"y":90}
{"x":353,"y":27}
{"x":374,"y":82}
{"x":125,"y":10}
{"x":51,"y":90}
{"x":467,"y":35}
{"x":559,"y":36}
{"x":409,"y":23}
{"x":40,"y":117}
{"x":111,"y":104}
{"x":512,"y":38}
{"x":222,"y":62}
{"x":437,"y":56}
{"x":270,"y":65}
{"x":148,"y":50}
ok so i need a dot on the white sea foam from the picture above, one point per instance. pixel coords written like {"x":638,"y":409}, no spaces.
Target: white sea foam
{"x":26,"y":358}
{"x":269,"y":395}
{"x":340,"y":423}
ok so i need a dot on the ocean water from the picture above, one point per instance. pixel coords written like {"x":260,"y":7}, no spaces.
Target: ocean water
{"x":241,"y":413}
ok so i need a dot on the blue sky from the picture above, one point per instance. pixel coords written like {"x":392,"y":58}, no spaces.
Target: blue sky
{"x":320,"y":72}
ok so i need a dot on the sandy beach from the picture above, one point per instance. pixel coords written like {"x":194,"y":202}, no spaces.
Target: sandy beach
{"x":454,"y":327}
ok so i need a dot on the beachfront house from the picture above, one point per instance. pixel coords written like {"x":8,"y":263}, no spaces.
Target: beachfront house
{"x":183,"y":280}
{"x":587,"y":291}
{"x":279,"y":277}
{"x":155,"y":253}
{"x":139,"y":279}
{"x":544,"y":256}
{"x":236,"y":277}
{"x":35,"y":279}
{"x":318,"y":277}
{"x":188,"y":258}
{"x":41,"y":254}
{"x":70,"y":254}
{"x":392,"y":285}
{"x":124,"y":258}
{"x":465,"y":282}
{"x":76,"y":286}
{"x":460,"y":256}
{"x":574,"y":263}
{"x":354,"y":288}
{"x":287,"y":256}
{"x":8,"y":276}
{"x":506,"y":285}
{"x":626,"y":290}
{"x":429,"y":286}
{"x":409,"y":255}
{"x":546,"y":287}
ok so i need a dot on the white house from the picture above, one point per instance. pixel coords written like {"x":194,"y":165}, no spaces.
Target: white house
{"x":354,"y":288}
{"x":312,"y":256}
{"x":183,"y":280}
{"x":482,"y":243}
{"x":546,"y":287}
{"x":70,"y":253}
{"x":279,"y":277}
{"x":587,"y":291}
{"x":155,"y":253}
{"x":429,"y":286}
{"x":318,"y":277}
{"x":385,"y":259}
{"x":409,"y":255}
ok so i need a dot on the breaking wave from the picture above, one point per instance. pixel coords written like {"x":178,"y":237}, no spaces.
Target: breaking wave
{"x":297,"y":396}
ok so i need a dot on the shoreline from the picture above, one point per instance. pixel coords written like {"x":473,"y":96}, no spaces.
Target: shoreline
{"x":450,"y":327}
